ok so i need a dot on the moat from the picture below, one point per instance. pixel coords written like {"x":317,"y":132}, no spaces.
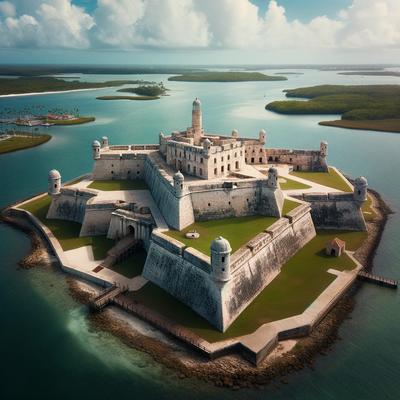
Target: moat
{"x":311,"y":135}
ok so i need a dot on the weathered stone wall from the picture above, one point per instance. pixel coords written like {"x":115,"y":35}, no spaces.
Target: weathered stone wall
{"x":186,"y":274}
{"x":222,"y":200}
{"x":335,"y":211}
{"x":97,"y":218}
{"x":302,"y":160}
{"x":70,"y":204}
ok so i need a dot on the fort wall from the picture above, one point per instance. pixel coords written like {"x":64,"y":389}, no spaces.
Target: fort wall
{"x":335,"y":211}
{"x":186,"y":274}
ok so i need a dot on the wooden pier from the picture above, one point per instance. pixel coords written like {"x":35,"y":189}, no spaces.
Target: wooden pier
{"x":378,"y":280}
{"x":106,"y":297}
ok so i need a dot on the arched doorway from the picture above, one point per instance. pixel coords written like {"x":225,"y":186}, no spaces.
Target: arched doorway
{"x":131,"y":230}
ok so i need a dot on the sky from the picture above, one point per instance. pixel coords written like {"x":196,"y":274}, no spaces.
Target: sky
{"x":200,"y":31}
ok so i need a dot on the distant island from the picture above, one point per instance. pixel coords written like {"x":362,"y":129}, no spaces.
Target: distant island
{"x":225,"y":77}
{"x":144,"y":92}
{"x":10,"y":142}
{"x":367,"y":107}
{"x":371,"y":73}
{"x":24,"y":85}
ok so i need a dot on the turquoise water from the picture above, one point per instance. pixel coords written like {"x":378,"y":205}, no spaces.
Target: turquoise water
{"x":46,"y":346}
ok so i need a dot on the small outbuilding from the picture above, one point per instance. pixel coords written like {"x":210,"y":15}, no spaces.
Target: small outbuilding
{"x":335,"y":247}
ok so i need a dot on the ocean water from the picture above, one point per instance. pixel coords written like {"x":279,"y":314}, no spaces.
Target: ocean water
{"x":47,"y":348}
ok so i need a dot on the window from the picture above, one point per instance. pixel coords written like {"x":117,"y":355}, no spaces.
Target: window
{"x":188,"y":167}
{"x":229,"y":156}
{"x":222,"y":168}
{"x":215,"y":171}
{"x":260,"y":160}
{"x":129,"y":171}
{"x":55,"y":187}
{"x":201,"y":160}
{"x":201,"y":172}
{"x":112,"y":172}
{"x":270,"y":158}
{"x":252,"y":160}
{"x":215,"y":160}
{"x":229,"y":202}
{"x":235,"y":155}
{"x":260,"y":150}
{"x":223,"y":269}
{"x":194,"y":169}
{"x":223,"y":259}
{"x":137,"y":172}
{"x":237,"y":164}
{"x":209,"y":204}
{"x":245,"y":160}
{"x":229,"y":167}
{"x":222,"y":158}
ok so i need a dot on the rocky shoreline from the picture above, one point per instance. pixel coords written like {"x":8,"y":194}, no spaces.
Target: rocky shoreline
{"x":228,"y":371}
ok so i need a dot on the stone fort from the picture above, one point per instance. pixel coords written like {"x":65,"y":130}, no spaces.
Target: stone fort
{"x":193,"y":176}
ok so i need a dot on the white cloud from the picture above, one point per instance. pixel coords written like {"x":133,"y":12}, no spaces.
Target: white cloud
{"x":7,"y":9}
{"x":233,"y":24}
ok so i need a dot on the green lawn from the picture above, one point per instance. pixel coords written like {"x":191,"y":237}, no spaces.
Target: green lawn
{"x":288,"y":206}
{"x":126,"y":184}
{"x":331,"y":179}
{"x":67,"y":232}
{"x":22,"y":142}
{"x":228,"y":228}
{"x":290,"y":184}
{"x":132,"y":266}
{"x":301,"y":280}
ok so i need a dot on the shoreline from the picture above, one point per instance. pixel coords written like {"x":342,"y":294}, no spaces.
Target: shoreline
{"x":232,"y":371}
{"x":393,"y":125}
{"x":49,"y":92}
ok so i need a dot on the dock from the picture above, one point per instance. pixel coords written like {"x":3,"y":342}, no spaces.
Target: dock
{"x":378,"y":280}
{"x":106,"y":297}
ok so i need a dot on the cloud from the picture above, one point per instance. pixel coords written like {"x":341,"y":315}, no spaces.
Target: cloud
{"x":213,"y":24}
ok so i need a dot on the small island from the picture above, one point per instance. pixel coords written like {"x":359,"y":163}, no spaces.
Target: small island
{"x":371,"y":73}
{"x":10,"y":142}
{"x":143,"y":92}
{"x":225,"y":77}
{"x":366,"y":107}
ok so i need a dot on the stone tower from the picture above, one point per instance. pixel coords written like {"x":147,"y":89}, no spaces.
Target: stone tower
{"x":323,"y":148}
{"x":235,"y":133}
{"x":96,"y":150}
{"x":272,"y":182}
{"x":220,"y":259}
{"x":360,"y":189}
{"x":104,"y":141}
{"x":178,"y":183}
{"x":197,"y":122}
{"x":262,"y":136}
{"x":206,"y":146}
{"x":54,"y":184}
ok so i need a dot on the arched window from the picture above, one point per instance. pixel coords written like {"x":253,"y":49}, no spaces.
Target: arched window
{"x":222,"y":259}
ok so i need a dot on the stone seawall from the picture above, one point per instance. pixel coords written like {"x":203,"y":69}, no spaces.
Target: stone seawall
{"x":186,"y":274}
{"x":335,"y":211}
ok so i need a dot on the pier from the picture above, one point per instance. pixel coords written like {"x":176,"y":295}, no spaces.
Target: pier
{"x":106,"y":297}
{"x":378,"y":280}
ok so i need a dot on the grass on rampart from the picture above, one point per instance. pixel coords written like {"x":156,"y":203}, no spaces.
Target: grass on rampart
{"x":289,"y":205}
{"x":67,"y":232}
{"x":132,"y":266}
{"x":330,"y":179}
{"x":225,"y":77}
{"x":20,"y":142}
{"x":300,"y":282}
{"x":126,"y":184}
{"x":290,"y":184}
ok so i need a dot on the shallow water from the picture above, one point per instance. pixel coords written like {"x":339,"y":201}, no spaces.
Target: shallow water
{"x":46,"y":346}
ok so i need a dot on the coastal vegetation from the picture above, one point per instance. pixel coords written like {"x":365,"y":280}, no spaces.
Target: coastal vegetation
{"x":331,"y":179}
{"x":115,"y":184}
{"x":299,"y":283}
{"x":22,"y":141}
{"x":225,"y":77}
{"x":72,"y":121}
{"x":127,"y":98}
{"x":146,"y":90}
{"x":371,"y":73}
{"x":372,"y":107}
{"x":23,"y":85}
{"x":67,"y":232}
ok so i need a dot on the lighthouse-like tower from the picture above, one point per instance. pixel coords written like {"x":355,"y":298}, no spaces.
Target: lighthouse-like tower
{"x":54,"y":182}
{"x":220,"y":259}
{"x":197,"y":121}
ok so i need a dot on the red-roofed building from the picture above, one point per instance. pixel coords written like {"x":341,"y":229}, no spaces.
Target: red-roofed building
{"x":335,"y":247}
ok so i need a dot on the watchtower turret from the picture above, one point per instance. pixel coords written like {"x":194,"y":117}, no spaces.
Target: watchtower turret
{"x":104,"y":141}
{"x":206,"y":145}
{"x":323,"y":148}
{"x":178,"y":183}
{"x":96,"y":150}
{"x":360,"y":189}
{"x":272,"y":181}
{"x":54,"y":182}
{"x":220,"y":259}
{"x":197,"y":120}
{"x":262,"y":136}
{"x":235,"y":133}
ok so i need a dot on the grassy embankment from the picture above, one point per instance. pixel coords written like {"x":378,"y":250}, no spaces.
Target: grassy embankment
{"x":225,"y":77}
{"x":126,"y":184}
{"x":228,"y":228}
{"x":290,"y":184}
{"x":48,"y":84}
{"x":330,"y":179}
{"x":369,"y":107}
{"x":20,"y":142}
{"x":67,"y":232}
{"x":300,"y":282}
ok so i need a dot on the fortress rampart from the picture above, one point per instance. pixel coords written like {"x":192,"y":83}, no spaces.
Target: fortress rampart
{"x":188,"y":274}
